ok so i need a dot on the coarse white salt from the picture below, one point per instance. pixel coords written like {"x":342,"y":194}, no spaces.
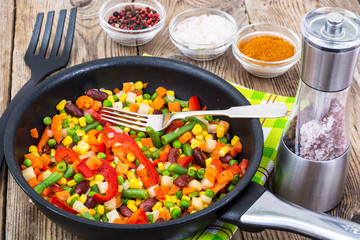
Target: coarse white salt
{"x":204,"y":29}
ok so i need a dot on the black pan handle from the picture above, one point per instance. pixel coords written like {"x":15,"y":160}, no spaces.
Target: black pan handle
{"x":257,"y":208}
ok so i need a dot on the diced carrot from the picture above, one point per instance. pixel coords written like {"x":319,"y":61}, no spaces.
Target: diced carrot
{"x":46,"y":192}
{"x":118,"y":221}
{"x":84,"y":102}
{"x":37,"y":171}
{"x":159,"y":193}
{"x":92,"y":132}
{"x":225,"y":124}
{"x":161,"y":91}
{"x":23,"y":166}
{"x":33,"y":182}
{"x":174,"y":106}
{"x":147,"y":142}
{"x":190,"y":209}
{"x":165,"y":188}
{"x":74,"y":166}
{"x":218,"y":186}
{"x":45,"y":159}
{"x":124,"y":160}
{"x":94,"y":148}
{"x":224,"y":176}
{"x":145,"y":85}
{"x":158,"y":103}
{"x":93,"y":162}
{"x":127,"y":87}
{"x":188,"y":190}
{"x":174,"y":188}
{"x":235,"y":149}
{"x":142,"y":174}
{"x":122,"y":168}
{"x":96,"y":105}
{"x":185,"y":137}
{"x":133,"y":107}
{"x":210,"y":174}
{"x":56,"y":126}
{"x":41,"y":177}
{"x":92,"y":140}
{"x":34,"y":133}
{"x":116,"y":90}
{"x":43,"y":140}
{"x":63,"y":195}
{"x":165,"y":214}
{"x":163,"y":154}
{"x":217,"y":164}
{"x":36,"y":161}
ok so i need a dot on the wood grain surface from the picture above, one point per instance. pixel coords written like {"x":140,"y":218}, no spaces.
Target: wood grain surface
{"x":21,"y":219}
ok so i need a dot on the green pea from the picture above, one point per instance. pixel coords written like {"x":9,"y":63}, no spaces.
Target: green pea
{"x":61,"y":166}
{"x":141,"y":134}
{"x":165,"y":110}
{"x":104,"y":218}
{"x":175,"y":213}
{"x":76,"y":138}
{"x":115,"y":98}
{"x":65,"y":123}
{"x":179,"y":194}
{"x":51,"y":142}
{"x":78,"y":177}
{"x":201,"y":173}
{"x":193,"y":194}
{"x":232,"y":162}
{"x":208,"y":118}
{"x":122,"y":127}
{"x":184,"y":203}
{"x":217,"y":120}
{"x":101,"y":155}
{"x":89,"y":118}
{"x":99,"y":128}
{"x":71,"y":132}
{"x":192,"y":173}
{"x":137,"y":139}
{"x":132,"y":132}
{"x":144,"y":149}
{"x":222,"y":195}
{"x":169,"y":204}
{"x":47,"y":121}
{"x":222,"y":140}
{"x":107,"y":103}
{"x":27,"y":162}
{"x":77,"y":127}
{"x":120,"y":180}
{"x":177,"y":144}
{"x":230,"y":187}
{"x":165,"y":172}
{"x":235,"y":179}
{"x":210,"y":193}
{"x":155,"y":94}
{"x":147,"y":96}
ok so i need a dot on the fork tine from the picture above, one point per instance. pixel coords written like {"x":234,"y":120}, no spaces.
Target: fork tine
{"x":35,"y":35}
{"x":69,"y":35}
{"x":123,"y":116}
{"x":47,"y":33}
{"x":58,"y":34}
{"x":115,"y":110}
{"x":122,"y":120}
{"x":125,"y":124}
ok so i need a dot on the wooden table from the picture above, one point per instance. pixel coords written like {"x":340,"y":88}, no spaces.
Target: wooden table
{"x":22,"y":220}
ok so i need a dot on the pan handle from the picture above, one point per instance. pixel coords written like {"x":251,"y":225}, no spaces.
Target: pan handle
{"x":270,"y":211}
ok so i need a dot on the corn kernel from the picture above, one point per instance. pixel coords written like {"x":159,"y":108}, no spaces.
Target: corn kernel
{"x":152,"y":149}
{"x":223,"y":151}
{"x":71,"y":183}
{"x":83,"y":198}
{"x":130,"y":175}
{"x":167,"y":197}
{"x":100,"y":209}
{"x":52,"y":152}
{"x":173,"y":198}
{"x":113,"y":165}
{"x":170,"y":93}
{"x":111,"y":99}
{"x":197,"y":129}
{"x":178,"y":202}
{"x":139,"y":99}
{"x":201,"y":193}
{"x":185,"y":197}
{"x":195,"y":143}
{"x":199,"y":137}
{"x":208,"y":162}
{"x":71,"y":125}
{"x":82,"y":122}
{"x":93,"y":182}
{"x":75,"y":148}
{"x":138,"y":202}
{"x":209,"y":136}
{"x":121,"y":188}
{"x":130,"y":157}
{"x":157,"y":206}
{"x":185,"y":109}
{"x":126,"y":129}
{"x":234,"y":140}
{"x":61,"y":105}
{"x":139,"y":144}
{"x":194,"y":168}
{"x":83,"y":147}
{"x":180,"y":151}
{"x":138,"y":85}
{"x":80,"y":132}
{"x":150,"y":101}
{"x":99,"y":177}
{"x":151,"y":110}
{"x":146,"y":101}
{"x":132,"y":207}
{"x":75,"y":120}
{"x":67,"y":141}
{"x":182,"y":155}
{"x":70,"y":198}
{"x":85,"y":138}
{"x":204,"y":133}
{"x":33,"y":149}
{"x":122,"y":98}
{"x":161,"y":166}
{"x":134,"y":183}
{"x":63,"y":181}
{"x":91,"y":211}
{"x":160,"y":209}
{"x":108,"y":92}
{"x":126,"y":109}
{"x":130,"y":201}
{"x":83,"y":210}
{"x":220,"y":131}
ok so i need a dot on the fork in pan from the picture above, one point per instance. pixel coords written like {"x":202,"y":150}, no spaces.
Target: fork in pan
{"x":41,"y":66}
{"x":159,"y":122}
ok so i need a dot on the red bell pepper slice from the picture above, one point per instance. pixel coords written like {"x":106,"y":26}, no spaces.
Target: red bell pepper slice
{"x":243,"y":165}
{"x":160,"y":193}
{"x":138,"y":217}
{"x":235,"y":169}
{"x":66,"y":154}
{"x":43,"y":140}
{"x":84,"y":169}
{"x":110,"y":177}
{"x":184,"y":161}
{"x":96,"y":115}
{"x":174,"y":125}
{"x":59,"y":203}
{"x":102,"y":147}
{"x":194,"y":104}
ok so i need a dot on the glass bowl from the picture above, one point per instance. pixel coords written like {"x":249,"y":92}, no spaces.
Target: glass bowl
{"x":195,"y":47}
{"x":131,"y":37}
{"x":265,"y":69}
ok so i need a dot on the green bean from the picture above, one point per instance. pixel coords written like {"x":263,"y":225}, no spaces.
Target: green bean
{"x":150,"y":218}
{"x":95,"y":188}
{"x":104,"y":218}
{"x":186,"y":147}
{"x":135,"y":193}
{"x":66,"y":188}
{"x":154,"y":137}
{"x":165,"y":110}
{"x":160,"y":133}
{"x":61,"y":166}
{"x":196,"y":120}
{"x":91,"y":126}
{"x":167,"y":138}
{"x":87,"y":215}
{"x":69,"y":172}
{"x":177,"y":168}
{"x":50,"y":180}
{"x":148,"y":154}
{"x":201,"y":173}
{"x":156,"y":154}
{"x":183,"y":103}
{"x":192,"y":173}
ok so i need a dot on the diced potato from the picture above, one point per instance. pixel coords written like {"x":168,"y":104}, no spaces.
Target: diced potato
{"x":210,"y":145}
{"x":111,"y":204}
{"x":206,"y":184}
{"x":195,"y":184}
{"x":78,"y":206}
{"x":112,"y":215}
{"x":205,"y":199}
{"x":144,"y":108}
{"x":131,"y":97}
{"x":151,"y":191}
{"x":167,"y":180}
{"x":197,"y":203}
{"x":28,"y":173}
{"x":118,"y":105}
{"x":212,"y":128}
{"x":103,"y":186}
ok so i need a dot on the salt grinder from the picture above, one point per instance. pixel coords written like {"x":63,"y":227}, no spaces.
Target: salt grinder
{"x":313,"y":153}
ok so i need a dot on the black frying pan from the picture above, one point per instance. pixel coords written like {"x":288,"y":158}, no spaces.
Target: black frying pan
{"x":248,"y":205}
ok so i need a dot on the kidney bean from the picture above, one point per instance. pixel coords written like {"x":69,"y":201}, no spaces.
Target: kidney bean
{"x":148,"y":204}
{"x":160,"y":220}
{"x":184,"y":214}
{"x":182,"y":180}
{"x":73,"y":110}
{"x":157,"y":112}
{"x":81,"y":187}
{"x":213,"y":136}
{"x":173,"y":154}
{"x":90,"y":203}
{"x":125,"y":211}
{"x":73,"y":144}
{"x":97,"y":95}
{"x":227,"y":158}
{"x":198,"y":157}
{"x":59,"y":145}
{"x":223,"y":190}
{"x":46,"y":149}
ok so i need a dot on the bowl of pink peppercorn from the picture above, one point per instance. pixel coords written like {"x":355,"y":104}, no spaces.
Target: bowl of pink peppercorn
{"x":132,"y":23}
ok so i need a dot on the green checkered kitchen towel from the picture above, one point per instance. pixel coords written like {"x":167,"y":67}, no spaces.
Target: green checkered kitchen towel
{"x":272,"y":129}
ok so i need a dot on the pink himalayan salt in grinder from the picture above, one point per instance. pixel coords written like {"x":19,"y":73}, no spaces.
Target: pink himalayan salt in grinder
{"x":313,"y":154}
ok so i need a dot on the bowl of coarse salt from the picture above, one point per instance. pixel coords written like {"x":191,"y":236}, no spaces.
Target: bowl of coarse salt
{"x":202,"y":33}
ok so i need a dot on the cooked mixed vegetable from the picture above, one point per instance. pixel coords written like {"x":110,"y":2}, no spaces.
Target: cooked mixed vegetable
{"x":110,"y":173}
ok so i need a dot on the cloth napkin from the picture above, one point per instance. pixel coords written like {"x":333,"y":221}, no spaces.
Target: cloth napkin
{"x":272,"y":129}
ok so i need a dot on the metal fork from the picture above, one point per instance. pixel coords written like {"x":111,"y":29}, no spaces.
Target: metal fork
{"x":41,"y":66}
{"x":161,"y":121}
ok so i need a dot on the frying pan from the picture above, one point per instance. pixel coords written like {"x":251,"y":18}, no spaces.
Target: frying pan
{"x":248,"y":205}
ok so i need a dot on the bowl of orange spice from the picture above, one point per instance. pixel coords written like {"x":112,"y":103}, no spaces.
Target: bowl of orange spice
{"x":266,"y":50}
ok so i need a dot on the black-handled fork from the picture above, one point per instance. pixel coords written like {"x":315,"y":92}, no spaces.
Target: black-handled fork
{"x":40,"y":66}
